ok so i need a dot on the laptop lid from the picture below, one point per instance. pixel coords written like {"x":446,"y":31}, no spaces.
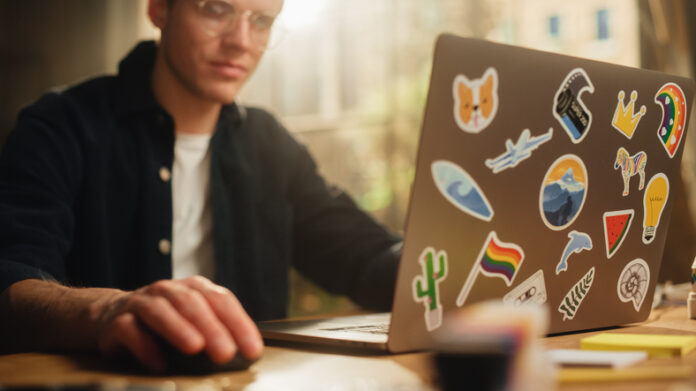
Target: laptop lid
{"x":540,"y":178}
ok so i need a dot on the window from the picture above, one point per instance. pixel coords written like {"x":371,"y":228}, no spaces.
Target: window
{"x":603,"y":24}
{"x":555,"y":26}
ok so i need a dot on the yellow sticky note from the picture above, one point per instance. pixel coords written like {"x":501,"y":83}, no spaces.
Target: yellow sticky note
{"x":586,"y":375}
{"x":657,"y":345}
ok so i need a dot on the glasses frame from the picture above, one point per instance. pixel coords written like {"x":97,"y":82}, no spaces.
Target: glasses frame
{"x":275,"y":32}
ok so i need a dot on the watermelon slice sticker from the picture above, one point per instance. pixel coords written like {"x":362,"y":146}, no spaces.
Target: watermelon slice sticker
{"x":616,"y":225}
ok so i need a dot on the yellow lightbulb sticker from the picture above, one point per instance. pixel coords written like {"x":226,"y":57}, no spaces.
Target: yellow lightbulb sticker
{"x":654,"y":200}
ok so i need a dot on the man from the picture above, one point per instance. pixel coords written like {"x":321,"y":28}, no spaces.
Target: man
{"x":110,"y":188}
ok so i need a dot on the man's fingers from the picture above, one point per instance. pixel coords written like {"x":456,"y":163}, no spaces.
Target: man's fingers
{"x":127,"y":333}
{"x":230,"y":311}
{"x":159,"y":315}
{"x":193,"y":306}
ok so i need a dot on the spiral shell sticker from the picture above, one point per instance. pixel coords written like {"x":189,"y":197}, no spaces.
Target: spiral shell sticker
{"x":633,"y":283}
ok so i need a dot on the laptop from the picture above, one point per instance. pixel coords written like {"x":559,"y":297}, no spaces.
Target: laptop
{"x":540,"y":178}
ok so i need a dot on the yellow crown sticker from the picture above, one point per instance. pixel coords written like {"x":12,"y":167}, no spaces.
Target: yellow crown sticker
{"x":624,"y":120}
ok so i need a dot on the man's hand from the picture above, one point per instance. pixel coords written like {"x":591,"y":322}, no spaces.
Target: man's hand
{"x":192,"y":314}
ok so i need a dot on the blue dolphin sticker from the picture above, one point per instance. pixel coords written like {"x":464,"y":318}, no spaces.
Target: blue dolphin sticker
{"x":579,"y":241}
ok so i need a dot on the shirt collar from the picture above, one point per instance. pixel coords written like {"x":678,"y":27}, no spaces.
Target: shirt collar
{"x":134,"y":90}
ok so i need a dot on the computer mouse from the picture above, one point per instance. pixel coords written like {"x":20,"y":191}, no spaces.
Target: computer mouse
{"x":179,"y":363}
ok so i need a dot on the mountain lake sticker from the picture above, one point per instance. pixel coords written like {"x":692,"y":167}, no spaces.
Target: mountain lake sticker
{"x":563,"y":192}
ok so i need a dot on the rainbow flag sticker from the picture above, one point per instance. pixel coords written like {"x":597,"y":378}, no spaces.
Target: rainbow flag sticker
{"x":496,"y":259}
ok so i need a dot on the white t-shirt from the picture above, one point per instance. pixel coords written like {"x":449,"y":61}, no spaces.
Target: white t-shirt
{"x":192,"y":226}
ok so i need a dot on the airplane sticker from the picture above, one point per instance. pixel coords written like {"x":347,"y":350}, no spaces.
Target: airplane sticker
{"x":516,"y":152}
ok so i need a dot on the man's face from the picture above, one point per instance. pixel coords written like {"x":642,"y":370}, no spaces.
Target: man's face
{"x":211,"y":66}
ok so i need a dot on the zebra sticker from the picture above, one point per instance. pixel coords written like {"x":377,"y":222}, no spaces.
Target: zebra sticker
{"x":631,"y":166}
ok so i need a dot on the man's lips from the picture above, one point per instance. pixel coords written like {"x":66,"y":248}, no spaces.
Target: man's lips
{"x":230,"y":70}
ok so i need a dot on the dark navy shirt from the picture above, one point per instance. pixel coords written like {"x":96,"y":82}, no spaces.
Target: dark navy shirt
{"x":82,"y":200}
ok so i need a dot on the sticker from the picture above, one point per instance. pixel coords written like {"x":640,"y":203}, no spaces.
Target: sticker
{"x":515,"y":153}
{"x":630,"y":166}
{"x":654,"y":201}
{"x":459,"y":188}
{"x":693,"y":272}
{"x":633,"y":283}
{"x":569,"y":110}
{"x":475,"y":101}
{"x":671,"y":98}
{"x":571,"y":302}
{"x":426,"y":286}
{"x":496,"y":259}
{"x":578,"y":242}
{"x":531,"y":290}
{"x":616,"y":225}
{"x":563,"y":192}
{"x":624,"y":120}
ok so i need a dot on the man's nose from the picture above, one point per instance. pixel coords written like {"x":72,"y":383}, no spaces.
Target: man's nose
{"x":238,"y":35}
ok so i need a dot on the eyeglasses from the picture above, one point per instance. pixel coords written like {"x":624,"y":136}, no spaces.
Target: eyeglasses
{"x":219,"y":17}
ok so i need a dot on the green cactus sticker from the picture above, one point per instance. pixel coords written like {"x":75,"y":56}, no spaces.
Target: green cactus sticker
{"x":425,"y":286}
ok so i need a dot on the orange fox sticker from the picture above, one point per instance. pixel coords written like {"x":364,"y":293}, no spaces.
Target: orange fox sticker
{"x":475,"y":101}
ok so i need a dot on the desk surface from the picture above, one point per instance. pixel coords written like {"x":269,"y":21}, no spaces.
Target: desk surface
{"x":288,"y":369}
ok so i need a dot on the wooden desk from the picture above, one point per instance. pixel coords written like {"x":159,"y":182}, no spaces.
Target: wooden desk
{"x":284,"y":368}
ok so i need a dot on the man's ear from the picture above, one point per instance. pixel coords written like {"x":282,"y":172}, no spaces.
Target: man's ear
{"x":157,"y":12}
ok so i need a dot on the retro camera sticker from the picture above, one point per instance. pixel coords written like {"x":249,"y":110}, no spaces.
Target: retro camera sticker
{"x":654,"y":201}
{"x":633,"y":283}
{"x":426,"y":286}
{"x":671,"y":98}
{"x":631,"y":166}
{"x":563,"y":192}
{"x":569,"y":109}
{"x":460,"y":189}
{"x":515,"y":153}
{"x":579,"y":241}
{"x":496,"y":259}
{"x":625,"y":121}
{"x":475,"y":101}
{"x":616,"y":225}
{"x":571,"y":302}
{"x":531,"y":290}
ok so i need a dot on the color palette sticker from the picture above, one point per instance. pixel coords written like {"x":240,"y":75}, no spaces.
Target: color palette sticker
{"x":631,"y":166}
{"x":579,"y":241}
{"x":426,"y":286}
{"x":496,"y":259}
{"x":475,"y":101}
{"x":521,"y":150}
{"x":633,"y":283}
{"x":563,"y":192}
{"x":654,"y":200}
{"x":568,"y":107}
{"x":625,"y":119}
{"x":616,"y":225}
{"x":460,"y":189}
{"x":571,"y":302}
{"x":531,"y":290}
{"x":673,"y":102}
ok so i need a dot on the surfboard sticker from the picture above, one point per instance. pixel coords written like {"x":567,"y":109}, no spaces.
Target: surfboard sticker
{"x":461,"y":190}
{"x":616,"y":226}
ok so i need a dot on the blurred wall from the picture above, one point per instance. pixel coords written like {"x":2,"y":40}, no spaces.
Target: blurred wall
{"x":44,"y":44}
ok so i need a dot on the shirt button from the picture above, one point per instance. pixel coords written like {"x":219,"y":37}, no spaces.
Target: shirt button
{"x":165,"y":246}
{"x":165,"y":174}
